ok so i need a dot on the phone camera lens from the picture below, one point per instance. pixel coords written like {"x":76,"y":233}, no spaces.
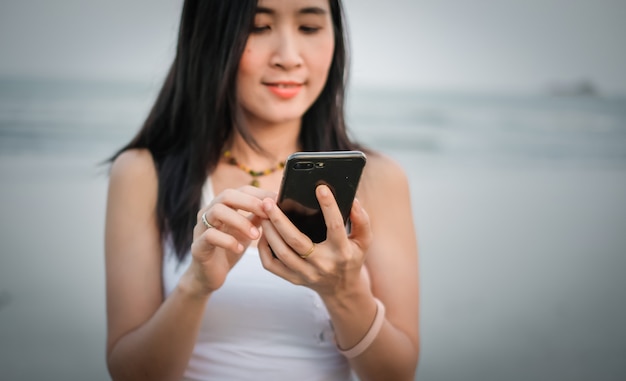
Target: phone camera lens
{"x":303,"y":165}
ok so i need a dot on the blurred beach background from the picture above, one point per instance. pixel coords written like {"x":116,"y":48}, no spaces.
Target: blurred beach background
{"x":508,"y":117}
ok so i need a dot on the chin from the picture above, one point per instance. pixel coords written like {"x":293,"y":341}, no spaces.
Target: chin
{"x":282,"y":115}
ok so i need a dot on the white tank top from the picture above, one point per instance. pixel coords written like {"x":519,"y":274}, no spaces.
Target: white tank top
{"x":258,"y":326}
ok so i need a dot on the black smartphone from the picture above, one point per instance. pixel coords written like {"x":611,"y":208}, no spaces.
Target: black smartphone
{"x":304,"y":171}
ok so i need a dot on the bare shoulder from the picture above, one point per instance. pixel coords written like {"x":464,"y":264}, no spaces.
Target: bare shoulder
{"x":133,"y":185}
{"x":381,"y":164}
{"x":382,"y":176}
{"x":133,"y":164}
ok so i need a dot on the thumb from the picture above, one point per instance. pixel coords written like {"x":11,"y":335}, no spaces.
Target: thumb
{"x":361,"y":231}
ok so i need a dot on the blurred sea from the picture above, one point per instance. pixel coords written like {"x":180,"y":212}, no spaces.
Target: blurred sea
{"x":68,"y":118}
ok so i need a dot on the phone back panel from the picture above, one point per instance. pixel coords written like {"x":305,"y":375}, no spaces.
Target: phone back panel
{"x":304,"y":171}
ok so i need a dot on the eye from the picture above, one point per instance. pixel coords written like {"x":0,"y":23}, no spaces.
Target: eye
{"x":256,"y":29}
{"x":309,"y":29}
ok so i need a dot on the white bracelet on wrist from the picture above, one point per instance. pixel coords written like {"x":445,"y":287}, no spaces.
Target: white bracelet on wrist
{"x":371,"y":334}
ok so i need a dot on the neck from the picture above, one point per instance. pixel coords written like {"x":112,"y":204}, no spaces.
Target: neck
{"x":277,"y":140}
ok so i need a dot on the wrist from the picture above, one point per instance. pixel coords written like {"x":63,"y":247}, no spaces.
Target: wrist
{"x":356,"y":292}
{"x":191,"y":285}
{"x":353,"y":316}
{"x":348,"y":300}
{"x":370,"y":335}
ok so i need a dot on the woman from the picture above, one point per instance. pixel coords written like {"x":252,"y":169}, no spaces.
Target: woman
{"x":193,"y":290}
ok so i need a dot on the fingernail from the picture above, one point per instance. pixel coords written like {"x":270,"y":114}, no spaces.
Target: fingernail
{"x":267,"y":206}
{"x":357,"y":205}
{"x":254,"y":232}
{"x":323,"y":190}
{"x":240,"y":248}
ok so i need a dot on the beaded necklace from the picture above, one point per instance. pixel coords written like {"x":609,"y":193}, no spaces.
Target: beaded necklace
{"x":255,"y":174}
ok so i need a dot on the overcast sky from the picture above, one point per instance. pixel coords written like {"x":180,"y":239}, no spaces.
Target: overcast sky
{"x":429,"y":44}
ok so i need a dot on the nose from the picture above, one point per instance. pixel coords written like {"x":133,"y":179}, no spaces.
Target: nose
{"x":286,"y":53}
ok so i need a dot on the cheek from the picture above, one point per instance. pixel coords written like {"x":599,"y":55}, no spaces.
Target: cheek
{"x":324,"y":49}
{"x":246,"y":64}
{"x":329,"y":53}
{"x":247,"y":73}
{"x":323,"y":57}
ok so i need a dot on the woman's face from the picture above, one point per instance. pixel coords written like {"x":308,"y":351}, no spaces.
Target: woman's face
{"x":286,"y":60}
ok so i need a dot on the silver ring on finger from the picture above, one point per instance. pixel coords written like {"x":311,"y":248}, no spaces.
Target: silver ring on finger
{"x":205,"y":222}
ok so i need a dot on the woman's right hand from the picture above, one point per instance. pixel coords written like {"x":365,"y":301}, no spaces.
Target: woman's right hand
{"x":235,"y":216}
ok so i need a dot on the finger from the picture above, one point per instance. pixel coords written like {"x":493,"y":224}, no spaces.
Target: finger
{"x":281,"y":250}
{"x":297,"y":241}
{"x":259,"y":193}
{"x":275,"y":265}
{"x":255,"y":220}
{"x":335,"y":227}
{"x":229,"y":220}
{"x":247,"y":198}
{"x":213,"y":238}
{"x":361,"y":231}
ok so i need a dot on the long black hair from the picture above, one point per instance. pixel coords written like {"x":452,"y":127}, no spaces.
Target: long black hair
{"x":196,"y":109}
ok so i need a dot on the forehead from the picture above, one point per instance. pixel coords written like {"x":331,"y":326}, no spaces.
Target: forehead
{"x":293,"y":5}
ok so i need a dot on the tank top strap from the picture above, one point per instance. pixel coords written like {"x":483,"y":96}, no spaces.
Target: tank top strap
{"x":207,"y":192}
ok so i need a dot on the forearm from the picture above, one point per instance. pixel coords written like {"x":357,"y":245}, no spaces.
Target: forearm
{"x":160,"y":348}
{"x":392,"y":355}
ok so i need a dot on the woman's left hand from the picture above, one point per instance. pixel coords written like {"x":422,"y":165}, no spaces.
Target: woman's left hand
{"x":334,"y":266}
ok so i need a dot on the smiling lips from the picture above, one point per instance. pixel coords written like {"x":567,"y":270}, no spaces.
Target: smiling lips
{"x":284,"y":90}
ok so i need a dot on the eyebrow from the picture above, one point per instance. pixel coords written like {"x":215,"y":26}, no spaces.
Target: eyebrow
{"x":303,"y":11}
